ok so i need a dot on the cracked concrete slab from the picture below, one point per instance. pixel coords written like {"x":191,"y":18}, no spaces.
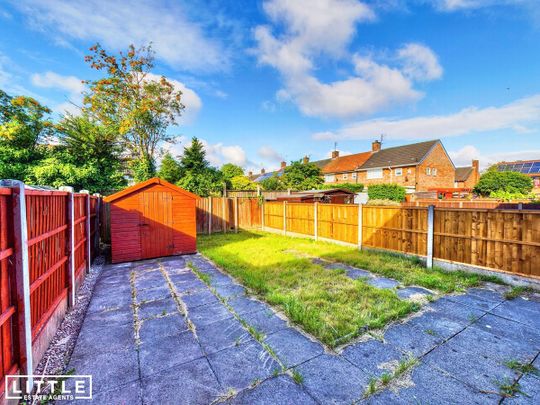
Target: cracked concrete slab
{"x":292,"y":347}
{"x":277,"y":390}
{"x":371,"y":356}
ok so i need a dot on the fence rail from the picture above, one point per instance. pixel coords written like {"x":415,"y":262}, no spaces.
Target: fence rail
{"x":45,"y":240}
{"x":478,"y":203}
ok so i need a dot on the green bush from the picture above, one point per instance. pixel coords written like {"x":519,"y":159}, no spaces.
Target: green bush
{"x":510,"y":196}
{"x":511,"y":182}
{"x":352,"y":187}
{"x":383,"y":202}
{"x":393,"y":192}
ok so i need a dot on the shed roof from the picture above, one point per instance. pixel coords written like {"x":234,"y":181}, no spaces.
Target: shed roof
{"x":139,"y":186}
{"x":406,"y":155}
{"x":463,"y":173}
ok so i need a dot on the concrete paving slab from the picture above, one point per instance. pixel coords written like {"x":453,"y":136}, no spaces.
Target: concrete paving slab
{"x":383,"y":282}
{"x":102,"y":338}
{"x":410,"y":339}
{"x":162,"y":307}
{"x":509,"y":329}
{"x":293,"y":348}
{"x":372,"y":356}
{"x":129,"y":393}
{"x":478,"y":371}
{"x":473,"y":301}
{"x":529,"y":387}
{"x":221,"y":335}
{"x":108,"y":369}
{"x":412,"y":292}
{"x":243,"y":305}
{"x":241,"y":366}
{"x":106,"y":301}
{"x":191,"y":383}
{"x":189,"y":286}
{"x":530,"y":303}
{"x":516,"y":312}
{"x":152,"y":294}
{"x":265,"y":321}
{"x":164,"y":352}
{"x":165,"y":326}
{"x":206,"y":314}
{"x":278,"y":390}
{"x":229,"y":290}
{"x":332,"y":379}
{"x":428,"y":386}
{"x":455,"y":310}
{"x":437,"y":325}
{"x":358,"y":273}
{"x":487,"y":294}
{"x":197,"y":298}
{"x":111,"y":316}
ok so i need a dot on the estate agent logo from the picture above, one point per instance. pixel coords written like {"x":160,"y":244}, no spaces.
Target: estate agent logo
{"x":48,"y":387}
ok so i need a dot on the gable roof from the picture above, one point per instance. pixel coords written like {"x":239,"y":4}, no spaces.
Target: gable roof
{"x":463,"y":173}
{"x":346,"y":163}
{"x":406,"y":155}
{"x":149,"y":182}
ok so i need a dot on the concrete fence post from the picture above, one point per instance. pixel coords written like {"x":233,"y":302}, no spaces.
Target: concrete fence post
{"x":360,"y":224}
{"x":316,"y":220}
{"x":429,"y":253}
{"x":22,"y":278}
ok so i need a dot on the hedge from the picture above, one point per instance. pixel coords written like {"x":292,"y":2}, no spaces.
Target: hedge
{"x":393,"y":192}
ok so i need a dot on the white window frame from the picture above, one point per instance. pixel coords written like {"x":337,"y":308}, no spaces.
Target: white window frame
{"x":398,"y":171}
{"x":345,"y":176}
{"x":374,"y":174}
{"x":329,"y":178}
{"x":428,"y":171}
{"x":434,"y":171}
{"x":354,"y":176}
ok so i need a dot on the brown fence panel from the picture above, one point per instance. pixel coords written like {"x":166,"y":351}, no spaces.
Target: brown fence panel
{"x":300,"y":218}
{"x":273,"y":215}
{"x":46,"y":217}
{"x":202,"y":213}
{"x":8,"y":357}
{"x":395,"y":228}
{"x":249,"y":213}
{"x":503,"y":240}
{"x":338,"y":222}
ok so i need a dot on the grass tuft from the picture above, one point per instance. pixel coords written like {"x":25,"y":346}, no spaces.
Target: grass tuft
{"x":524,"y":368}
{"x":297,"y":377}
{"x":516,"y":291}
{"x":376,"y":384}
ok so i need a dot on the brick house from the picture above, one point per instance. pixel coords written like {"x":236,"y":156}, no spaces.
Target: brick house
{"x":467,"y":176}
{"x":343,"y":169}
{"x":530,"y":168}
{"x":419,"y":167}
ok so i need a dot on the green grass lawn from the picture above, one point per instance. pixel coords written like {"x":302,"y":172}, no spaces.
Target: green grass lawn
{"x":325,"y":303}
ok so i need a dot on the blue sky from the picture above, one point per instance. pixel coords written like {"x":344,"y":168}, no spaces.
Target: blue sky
{"x":279,"y":79}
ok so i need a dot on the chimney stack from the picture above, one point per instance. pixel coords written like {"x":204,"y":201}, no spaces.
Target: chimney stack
{"x":250,"y":173}
{"x":283,"y":165}
{"x":376,"y":146}
{"x":305,"y":160}
{"x":335,"y":154}
{"x":476,"y":165}
{"x":263,"y":171}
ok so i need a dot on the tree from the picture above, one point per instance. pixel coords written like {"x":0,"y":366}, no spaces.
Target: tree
{"x":24,"y":128}
{"x":493,"y":182}
{"x":133,"y":102}
{"x":230,"y":170}
{"x":170,"y":169}
{"x":272,"y":183}
{"x":302,"y":176}
{"x":242,"y":183}
{"x":197,"y":174}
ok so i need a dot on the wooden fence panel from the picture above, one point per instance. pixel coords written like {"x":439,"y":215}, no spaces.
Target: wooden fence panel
{"x":202,"y":213}
{"x":300,"y":218}
{"x":46,"y":218}
{"x":8,"y":356}
{"x":273,"y":215}
{"x":338,"y":222}
{"x":249,"y":213}
{"x":503,"y":240}
{"x":395,"y":228}
{"x":79,"y":220}
{"x":94,"y":201}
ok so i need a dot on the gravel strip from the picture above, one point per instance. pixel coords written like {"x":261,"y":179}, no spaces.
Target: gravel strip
{"x":57,"y":356}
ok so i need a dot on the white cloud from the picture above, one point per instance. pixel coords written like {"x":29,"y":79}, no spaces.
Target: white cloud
{"x":269,"y":154}
{"x":217,"y":154}
{"x":177,"y":40}
{"x":516,"y":116}
{"x":419,"y":62}
{"x":190,"y":98}
{"x":313,"y":29}
{"x":71,"y":86}
{"x":464,"y":156}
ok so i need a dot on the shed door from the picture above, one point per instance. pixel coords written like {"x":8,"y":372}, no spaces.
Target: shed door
{"x":156,"y":224}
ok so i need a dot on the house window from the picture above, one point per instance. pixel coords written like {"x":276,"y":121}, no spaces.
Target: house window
{"x":353,"y":176}
{"x":428,"y":171}
{"x":375,"y":174}
{"x":398,"y":171}
{"x":433,"y":172}
{"x":409,"y":171}
{"x":329,"y":178}
{"x":345,"y":176}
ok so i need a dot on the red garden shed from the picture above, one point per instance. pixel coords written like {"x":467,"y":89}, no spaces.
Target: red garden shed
{"x":152,"y":219}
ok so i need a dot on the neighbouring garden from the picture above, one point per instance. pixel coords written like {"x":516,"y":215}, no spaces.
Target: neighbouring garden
{"x":326,"y":303}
